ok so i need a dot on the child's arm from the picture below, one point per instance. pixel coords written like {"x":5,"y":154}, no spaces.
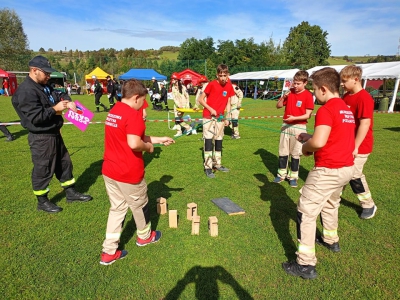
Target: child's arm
{"x":361,"y":133}
{"x":136,"y":143}
{"x":317,"y":140}
{"x":282,"y":99}
{"x":205,"y":105}
{"x":228,"y":112}
{"x":306,"y":116}
{"x":165,"y":140}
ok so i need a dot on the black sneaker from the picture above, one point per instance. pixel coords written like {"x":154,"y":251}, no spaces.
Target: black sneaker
{"x":333,"y":247}
{"x":306,"y":272}
{"x":48,"y":207}
{"x":10,"y":138}
{"x":368,"y":213}
{"x":209,"y":173}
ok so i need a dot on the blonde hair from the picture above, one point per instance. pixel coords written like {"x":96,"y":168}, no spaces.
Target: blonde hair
{"x":351,"y":71}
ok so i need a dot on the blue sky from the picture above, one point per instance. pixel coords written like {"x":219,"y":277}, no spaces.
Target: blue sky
{"x":354,"y":27}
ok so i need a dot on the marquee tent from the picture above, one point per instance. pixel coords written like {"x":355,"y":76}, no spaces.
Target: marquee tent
{"x":189,"y":75}
{"x":373,"y":71}
{"x":99,"y":73}
{"x":142,"y":74}
{"x":12,"y":80}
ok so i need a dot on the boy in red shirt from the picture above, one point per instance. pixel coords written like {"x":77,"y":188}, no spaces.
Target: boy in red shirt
{"x":361,"y":104}
{"x":123,"y":170}
{"x":332,"y":144}
{"x":299,"y":104}
{"x":218,"y":93}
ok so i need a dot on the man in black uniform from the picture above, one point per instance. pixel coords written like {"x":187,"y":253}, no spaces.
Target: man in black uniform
{"x":164,"y":95}
{"x":40,"y":108}
{"x":98,"y":92}
{"x":111,"y":90}
{"x":155,"y":96}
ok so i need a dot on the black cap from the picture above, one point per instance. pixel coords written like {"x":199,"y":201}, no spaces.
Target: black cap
{"x":108,"y":76}
{"x":41,"y":62}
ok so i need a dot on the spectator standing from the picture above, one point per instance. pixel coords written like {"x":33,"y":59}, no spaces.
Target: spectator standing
{"x":98,"y":92}
{"x":111,"y":90}
{"x":6,"y":85}
{"x":40,"y":108}
{"x":164,"y":95}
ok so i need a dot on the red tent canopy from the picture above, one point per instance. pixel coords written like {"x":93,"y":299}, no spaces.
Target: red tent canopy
{"x":12,"y":81}
{"x":189,"y":76}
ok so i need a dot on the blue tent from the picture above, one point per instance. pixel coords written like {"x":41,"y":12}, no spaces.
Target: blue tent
{"x":142,"y":74}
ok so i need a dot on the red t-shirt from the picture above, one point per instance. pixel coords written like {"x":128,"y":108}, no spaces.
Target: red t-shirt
{"x":5,"y":84}
{"x":362,"y":106}
{"x":338,"y":151}
{"x":121,"y":163}
{"x":217,"y":97}
{"x":297,"y":104}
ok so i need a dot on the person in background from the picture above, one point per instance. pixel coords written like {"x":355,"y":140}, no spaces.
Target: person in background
{"x":98,"y":92}
{"x":155,"y":94}
{"x":123,"y":170}
{"x":202,"y":84}
{"x":9,"y":137}
{"x":236,"y":103}
{"x":299,"y":104}
{"x":164,"y":95}
{"x":181,"y":100}
{"x":40,"y":109}
{"x":111,"y":90}
{"x":6,"y":84}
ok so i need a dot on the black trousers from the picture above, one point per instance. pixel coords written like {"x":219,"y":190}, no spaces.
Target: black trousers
{"x":49,"y":157}
{"x":97,"y":98}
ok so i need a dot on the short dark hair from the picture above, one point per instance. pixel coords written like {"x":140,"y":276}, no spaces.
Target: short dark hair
{"x":133,"y":87}
{"x":301,"y":76}
{"x":222,"y":68}
{"x":327,"y":77}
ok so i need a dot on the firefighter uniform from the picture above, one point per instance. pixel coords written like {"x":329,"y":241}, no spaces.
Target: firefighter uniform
{"x":34,"y":104}
{"x":236,"y":103}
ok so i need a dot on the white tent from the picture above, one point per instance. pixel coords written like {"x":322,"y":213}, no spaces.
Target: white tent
{"x":371,"y":71}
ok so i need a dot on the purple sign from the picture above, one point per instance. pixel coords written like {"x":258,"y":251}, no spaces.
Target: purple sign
{"x":81,"y":118}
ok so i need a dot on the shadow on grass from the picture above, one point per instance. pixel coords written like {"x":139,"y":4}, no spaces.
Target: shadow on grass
{"x":148,"y":157}
{"x":155,"y":190}
{"x":271,"y":163}
{"x":206,"y":284}
{"x":396,"y":129}
{"x":351,"y":205}
{"x":282,"y":209}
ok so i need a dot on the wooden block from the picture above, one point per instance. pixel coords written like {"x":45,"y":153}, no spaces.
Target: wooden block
{"x":173,"y":219}
{"x":213,"y":226}
{"x":191,"y":211}
{"x":161,"y":206}
{"x":196,"y":225}
{"x":228,"y":206}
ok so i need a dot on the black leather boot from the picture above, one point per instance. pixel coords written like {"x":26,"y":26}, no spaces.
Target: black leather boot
{"x":47,"y":206}
{"x":73,"y":195}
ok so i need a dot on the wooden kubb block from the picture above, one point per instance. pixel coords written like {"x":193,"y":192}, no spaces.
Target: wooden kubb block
{"x":196,"y":225}
{"x":213,"y":226}
{"x":161,"y":206}
{"x":173,"y":219}
{"x":191,"y":211}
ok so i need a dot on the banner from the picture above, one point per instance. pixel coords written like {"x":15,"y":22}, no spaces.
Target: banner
{"x":81,"y":118}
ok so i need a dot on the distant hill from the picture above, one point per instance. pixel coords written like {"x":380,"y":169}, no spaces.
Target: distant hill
{"x":339,"y":60}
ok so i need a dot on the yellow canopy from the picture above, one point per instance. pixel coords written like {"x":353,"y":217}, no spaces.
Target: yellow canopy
{"x":99,"y":73}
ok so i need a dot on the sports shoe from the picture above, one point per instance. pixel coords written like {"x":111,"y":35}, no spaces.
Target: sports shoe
{"x":188,"y":131}
{"x":155,"y":236}
{"x":278,"y":179}
{"x":209,"y":173}
{"x":108,"y":259}
{"x":194,"y":131}
{"x":293,"y":183}
{"x":368,"y":213}
{"x":333,"y":247}
{"x":10,"y":138}
{"x":306,"y":272}
{"x":221,"y":169}
{"x":179,"y":133}
{"x":235,"y":137}
{"x":175,"y":127}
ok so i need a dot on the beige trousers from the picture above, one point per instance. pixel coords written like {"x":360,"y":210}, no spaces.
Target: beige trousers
{"x":123,"y":196}
{"x":365,"y":197}
{"x":319,"y":195}
{"x":212,"y":130}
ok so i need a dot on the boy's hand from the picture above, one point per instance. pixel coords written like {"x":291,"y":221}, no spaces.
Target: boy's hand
{"x":213,"y":112}
{"x":289,"y":119}
{"x":303,"y":137}
{"x":355,"y":152}
{"x":166,"y":140}
{"x":150,"y":148}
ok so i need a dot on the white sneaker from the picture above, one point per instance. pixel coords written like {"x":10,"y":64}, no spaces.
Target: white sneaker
{"x":175,"y":127}
{"x":194,"y":131}
{"x":178,"y":133}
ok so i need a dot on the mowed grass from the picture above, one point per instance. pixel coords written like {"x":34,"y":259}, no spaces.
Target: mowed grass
{"x":57,"y":256}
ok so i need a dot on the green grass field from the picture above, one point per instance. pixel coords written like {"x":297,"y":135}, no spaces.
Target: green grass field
{"x":57,"y":256}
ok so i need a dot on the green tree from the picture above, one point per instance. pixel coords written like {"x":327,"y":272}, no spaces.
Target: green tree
{"x":306,"y":46}
{"x":193,"y":49}
{"x":14,"y":52}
